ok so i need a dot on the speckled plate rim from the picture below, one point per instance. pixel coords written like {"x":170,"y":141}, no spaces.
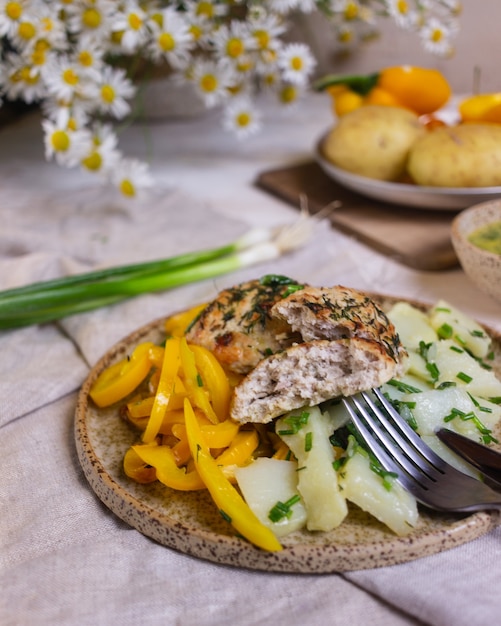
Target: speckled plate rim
{"x":416,"y":196}
{"x":303,"y":552}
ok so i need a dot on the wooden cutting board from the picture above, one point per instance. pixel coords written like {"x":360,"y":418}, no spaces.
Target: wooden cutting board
{"x":417,"y":238}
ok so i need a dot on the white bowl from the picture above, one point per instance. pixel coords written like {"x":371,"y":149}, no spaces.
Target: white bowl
{"x":481,"y":266}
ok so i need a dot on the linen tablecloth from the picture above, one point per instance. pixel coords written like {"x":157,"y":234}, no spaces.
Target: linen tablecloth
{"x":64,"y":557}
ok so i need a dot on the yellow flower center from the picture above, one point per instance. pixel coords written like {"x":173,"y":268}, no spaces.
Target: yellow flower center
{"x":208,"y":83}
{"x":116,"y":36}
{"x":402,"y":7}
{"x":158,"y":19}
{"x":47,"y":24}
{"x":437,"y":35}
{"x":26,"y":30}
{"x":196,"y":32}
{"x":127,"y":188}
{"x":288,"y":94}
{"x":205,"y":8}
{"x":93,"y":162}
{"x":108,"y":93}
{"x":85,"y":58}
{"x":70,"y":77}
{"x":351,"y":11}
{"x":60,"y":141}
{"x":135,"y":22}
{"x":13,"y":10}
{"x":166,"y":42}
{"x":235,"y":47}
{"x":91,"y":18}
{"x":263,"y":38}
{"x":296,"y":63}
{"x":72,"y":124}
{"x":243,"y":119}
{"x":345,"y":36}
{"x":25,"y":75}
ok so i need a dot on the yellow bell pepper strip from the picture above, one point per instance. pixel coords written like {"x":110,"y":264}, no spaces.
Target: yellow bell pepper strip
{"x":214,"y":379}
{"x":181,"y":450}
{"x":220,"y":435}
{"x":135,"y":468}
{"x":479,"y":107}
{"x":422,"y":90}
{"x":238,"y":453}
{"x":119,"y":380}
{"x":167,"y":471}
{"x":194,"y":382}
{"x":229,"y":502}
{"x":170,"y":368}
{"x":177,"y":325}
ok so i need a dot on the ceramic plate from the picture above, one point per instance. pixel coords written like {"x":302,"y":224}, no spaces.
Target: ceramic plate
{"x":434,"y":198}
{"x":190,"y":523}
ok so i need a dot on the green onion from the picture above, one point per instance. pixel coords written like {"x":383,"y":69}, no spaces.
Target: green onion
{"x":308,"y":442}
{"x":445,"y":331}
{"x":51,"y":300}
{"x":464,"y":377}
{"x":283,"y":509}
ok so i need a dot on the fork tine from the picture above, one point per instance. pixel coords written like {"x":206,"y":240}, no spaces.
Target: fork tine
{"x":379,"y":446}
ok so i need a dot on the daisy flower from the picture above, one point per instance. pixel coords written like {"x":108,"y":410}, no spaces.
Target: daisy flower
{"x":289,"y":94}
{"x":66,"y":146}
{"x":94,"y":17}
{"x":233,"y":42}
{"x":130,"y":176}
{"x":172,"y":39}
{"x":102,"y":156}
{"x":242,"y":118}
{"x":435,"y":36}
{"x":114,"y":91}
{"x":65,"y":79}
{"x":131,"y":23}
{"x":22,"y":80}
{"x":212,"y":80}
{"x":11,"y":13}
{"x":296,"y":63}
{"x":402,"y":13}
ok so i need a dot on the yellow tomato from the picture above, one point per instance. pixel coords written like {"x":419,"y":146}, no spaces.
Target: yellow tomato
{"x":420,"y":89}
{"x":477,"y":108}
{"x":347,"y":101}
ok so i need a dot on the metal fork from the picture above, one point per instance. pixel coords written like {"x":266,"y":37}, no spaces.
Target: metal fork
{"x":430,"y":479}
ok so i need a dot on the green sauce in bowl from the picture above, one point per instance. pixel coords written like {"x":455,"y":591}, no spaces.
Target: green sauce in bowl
{"x":487,"y":237}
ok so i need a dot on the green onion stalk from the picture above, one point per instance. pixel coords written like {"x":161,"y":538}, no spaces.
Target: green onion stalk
{"x":52,"y":300}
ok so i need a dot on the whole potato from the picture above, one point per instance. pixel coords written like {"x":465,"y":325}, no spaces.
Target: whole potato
{"x":373,"y":141}
{"x":468,"y":155}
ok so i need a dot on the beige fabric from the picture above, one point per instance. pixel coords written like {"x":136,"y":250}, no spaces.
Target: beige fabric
{"x":65,"y":559}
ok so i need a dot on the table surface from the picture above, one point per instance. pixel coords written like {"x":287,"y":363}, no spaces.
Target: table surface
{"x":66,"y":559}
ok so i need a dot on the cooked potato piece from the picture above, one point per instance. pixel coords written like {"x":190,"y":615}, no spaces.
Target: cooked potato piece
{"x":394,"y":507}
{"x":373,"y":141}
{"x":468,"y":155}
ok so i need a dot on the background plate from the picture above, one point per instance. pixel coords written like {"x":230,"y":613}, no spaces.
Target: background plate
{"x":434,"y":198}
{"x":190,"y":523}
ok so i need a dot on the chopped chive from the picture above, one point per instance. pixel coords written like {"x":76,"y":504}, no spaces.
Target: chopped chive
{"x":296,"y":422}
{"x":225,"y":515}
{"x":456,"y":349}
{"x":464,"y":377}
{"x":477,"y":333}
{"x":434,"y":371}
{"x":445,"y":331}
{"x":200,"y":382}
{"x":338,"y":463}
{"x":442,"y":309}
{"x":308,"y":442}
{"x":445,"y":384}
{"x":404,"y":387}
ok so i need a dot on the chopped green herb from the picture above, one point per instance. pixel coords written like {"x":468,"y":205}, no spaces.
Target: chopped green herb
{"x":200,"y":382}
{"x":404,"y":387}
{"x":495,"y":400}
{"x":490,"y":356}
{"x":434,"y":371}
{"x":338,"y":463}
{"x":464,"y":377}
{"x":456,"y":349}
{"x":423,"y":349}
{"x":296,"y":422}
{"x":477,"y":333}
{"x":308,"y":442}
{"x":283,"y":509}
{"x":443,"y":309}
{"x":445,"y":331}
{"x":225,"y":516}
{"x":460,"y":340}
{"x":445,"y":384}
